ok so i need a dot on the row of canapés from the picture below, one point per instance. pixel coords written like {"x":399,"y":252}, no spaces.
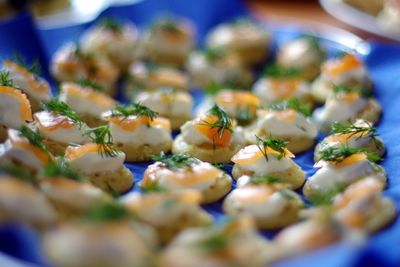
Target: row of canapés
{"x":63,"y":162}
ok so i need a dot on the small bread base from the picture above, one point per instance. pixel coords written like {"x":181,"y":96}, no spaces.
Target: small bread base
{"x":217,"y":155}
{"x":251,"y":55}
{"x":164,"y":58}
{"x":113,"y":182}
{"x":216,"y":191}
{"x":385,"y":216}
{"x":294,"y":176}
{"x":135,"y":153}
{"x":288,"y":216}
{"x":309,"y":191}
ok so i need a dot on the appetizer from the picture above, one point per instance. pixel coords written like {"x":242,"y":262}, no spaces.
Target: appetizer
{"x":361,"y":206}
{"x":25,"y":148}
{"x":270,"y":203}
{"x":182,"y":172}
{"x":15,"y":108}
{"x":303,"y":53}
{"x":278,"y":84}
{"x":104,"y":237}
{"x":215,"y":66}
{"x":167,"y":212}
{"x":288,"y":120}
{"x":346,"y":104}
{"x":169,"y":103}
{"x":100,"y":162}
{"x":359,"y":134}
{"x":144,"y":76}
{"x":70,"y":64}
{"x":345,"y":70}
{"x":138,"y":131}
{"x":232,"y":243}
{"x":341,"y":166}
{"x":68,"y":190}
{"x":242,"y":38}
{"x":21,"y":201}
{"x":269,"y":157}
{"x":113,"y":39}
{"x":88,"y":100}
{"x":170,"y":40}
{"x":26,"y":78}
{"x":389,"y":17}
{"x":211,"y":137}
{"x":59,"y":126}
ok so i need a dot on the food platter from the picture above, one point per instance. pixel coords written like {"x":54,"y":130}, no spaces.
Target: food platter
{"x":334,"y":40}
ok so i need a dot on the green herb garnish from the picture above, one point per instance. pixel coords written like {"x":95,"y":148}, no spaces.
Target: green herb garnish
{"x":88,"y":83}
{"x":62,"y":108}
{"x":61,"y":168}
{"x":223,"y":122}
{"x":134,"y":109}
{"x":167,"y":24}
{"x":111,"y":24}
{"x":275,"y":144}
{"x":154,"y":187}
{"x":213,"y":88}
{"x":292,"y":103}
{"x":34,"y":137}
{"x":212,"y":54}
{"x":244,"y":116}
{"x":337,"y":154}
{"x":175,"y":161}
{"x":279,"y":72}
{"x":108,"y":211}
{"x":5,"y":79}
{"x":101,"y":135}
{"x":214,"y":242}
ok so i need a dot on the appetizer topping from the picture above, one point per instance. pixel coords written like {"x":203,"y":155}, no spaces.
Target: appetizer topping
{"x":273,"y":146}
{"x":281,"y":73}
{"x":344,"y":155}
{"x":15,"y":106}
{"x":28,"y":81}
{"x":34,"y":137}
{"x":326,"y":197}
{"x":111,"y":24}
{"x":85,"y":100}
{"x":5,"y":79}
{"x":342,"y":65}
{"x":18,"y":172}
{"x":180,"y":172}
{"x":237,"y":99}
{"x":213,"y":54}
{"x":83,"y":82}
{"x":103,"y":142}
{"x":216,"y":126}
{"x":92,"y":158}
{"x":61,"y":108}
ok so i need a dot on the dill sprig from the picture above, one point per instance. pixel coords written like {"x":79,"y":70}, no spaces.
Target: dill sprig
{"x":265,"y":180}
{"x":18,"y":172}
{"x":101,"y":135}
{"x":223,"y":122}
{"x":292,"y":103}
{"x":5,"y":79}
{"x":213,"y":88}
{"x":176,"y":161}
{"x":133,"y":109}
{"x":89,"y":83}
{"x":325,"y":198}
{"x":111,"y":24}
{"x":62,"y":108}
{"x":360,"y":131}
{"x":276,"y":71}
{"x":314,"y":43}
{"x":34,"y":68}
{"x":214,"y":242}
{"x":276,"y":144}
{"x":337,"y":154}
{"x":34,"y":137}
{"x":244,"y":116}
{"x":154,"y":187}
{"x":108,"y":211}
{"x":61,"y":168}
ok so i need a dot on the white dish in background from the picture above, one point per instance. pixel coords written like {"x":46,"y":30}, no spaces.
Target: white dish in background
{"x":357,"y":18}
{"x":79,"y":11}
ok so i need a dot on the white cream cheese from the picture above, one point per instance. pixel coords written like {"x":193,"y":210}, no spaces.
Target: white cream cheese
{"x":93,"y":162}
{"x":298,"y":54}
{"x":25,"y":156}
{"x":10,"y":112}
